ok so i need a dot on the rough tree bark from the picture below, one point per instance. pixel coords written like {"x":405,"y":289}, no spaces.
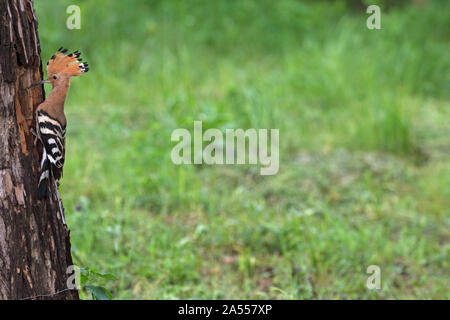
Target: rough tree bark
{"x":34,"y":243}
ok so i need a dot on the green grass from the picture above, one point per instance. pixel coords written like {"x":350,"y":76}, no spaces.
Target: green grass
{"x":364,"y":137}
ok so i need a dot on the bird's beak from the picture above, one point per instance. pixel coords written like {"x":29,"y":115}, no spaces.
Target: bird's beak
{"x":38,"y":83}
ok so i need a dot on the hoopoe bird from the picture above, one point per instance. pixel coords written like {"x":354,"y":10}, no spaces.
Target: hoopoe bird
{"x":50,"y":117}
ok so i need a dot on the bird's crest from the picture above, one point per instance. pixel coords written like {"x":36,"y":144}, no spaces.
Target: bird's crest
{"x":69,"y":64}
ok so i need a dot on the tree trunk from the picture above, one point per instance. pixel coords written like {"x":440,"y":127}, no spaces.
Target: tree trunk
{"x":34,"y":242}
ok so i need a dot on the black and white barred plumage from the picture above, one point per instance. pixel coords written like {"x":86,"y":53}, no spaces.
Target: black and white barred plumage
{"x":52,"y":135}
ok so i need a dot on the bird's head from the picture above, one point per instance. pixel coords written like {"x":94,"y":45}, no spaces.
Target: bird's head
{"x":62,"y":67}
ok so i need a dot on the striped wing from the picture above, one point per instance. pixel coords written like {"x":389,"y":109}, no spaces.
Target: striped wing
{"x":53,"y":137}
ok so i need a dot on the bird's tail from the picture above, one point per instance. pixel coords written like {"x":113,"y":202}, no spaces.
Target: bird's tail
{"x":43,"y":187}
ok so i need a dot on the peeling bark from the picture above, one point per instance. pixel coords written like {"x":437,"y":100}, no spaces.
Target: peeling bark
{"x":34,"y":243}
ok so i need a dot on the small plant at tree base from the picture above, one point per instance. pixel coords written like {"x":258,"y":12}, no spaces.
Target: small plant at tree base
{"x":89,"y":277}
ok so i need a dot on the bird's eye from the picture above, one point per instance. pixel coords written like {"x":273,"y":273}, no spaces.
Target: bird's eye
{"x":54,"y":77}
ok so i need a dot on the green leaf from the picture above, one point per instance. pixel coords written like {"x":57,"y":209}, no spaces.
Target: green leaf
{"x":97,"y":274}
{"x":107,"y":276}
{"x":99,"y":293}
{"x":83,"y":278}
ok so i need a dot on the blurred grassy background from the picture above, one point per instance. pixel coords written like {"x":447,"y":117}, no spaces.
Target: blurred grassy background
{"x":364,"y":147}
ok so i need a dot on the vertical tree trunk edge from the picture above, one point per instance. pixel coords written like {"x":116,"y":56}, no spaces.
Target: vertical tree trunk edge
{"x":34,"y":242}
